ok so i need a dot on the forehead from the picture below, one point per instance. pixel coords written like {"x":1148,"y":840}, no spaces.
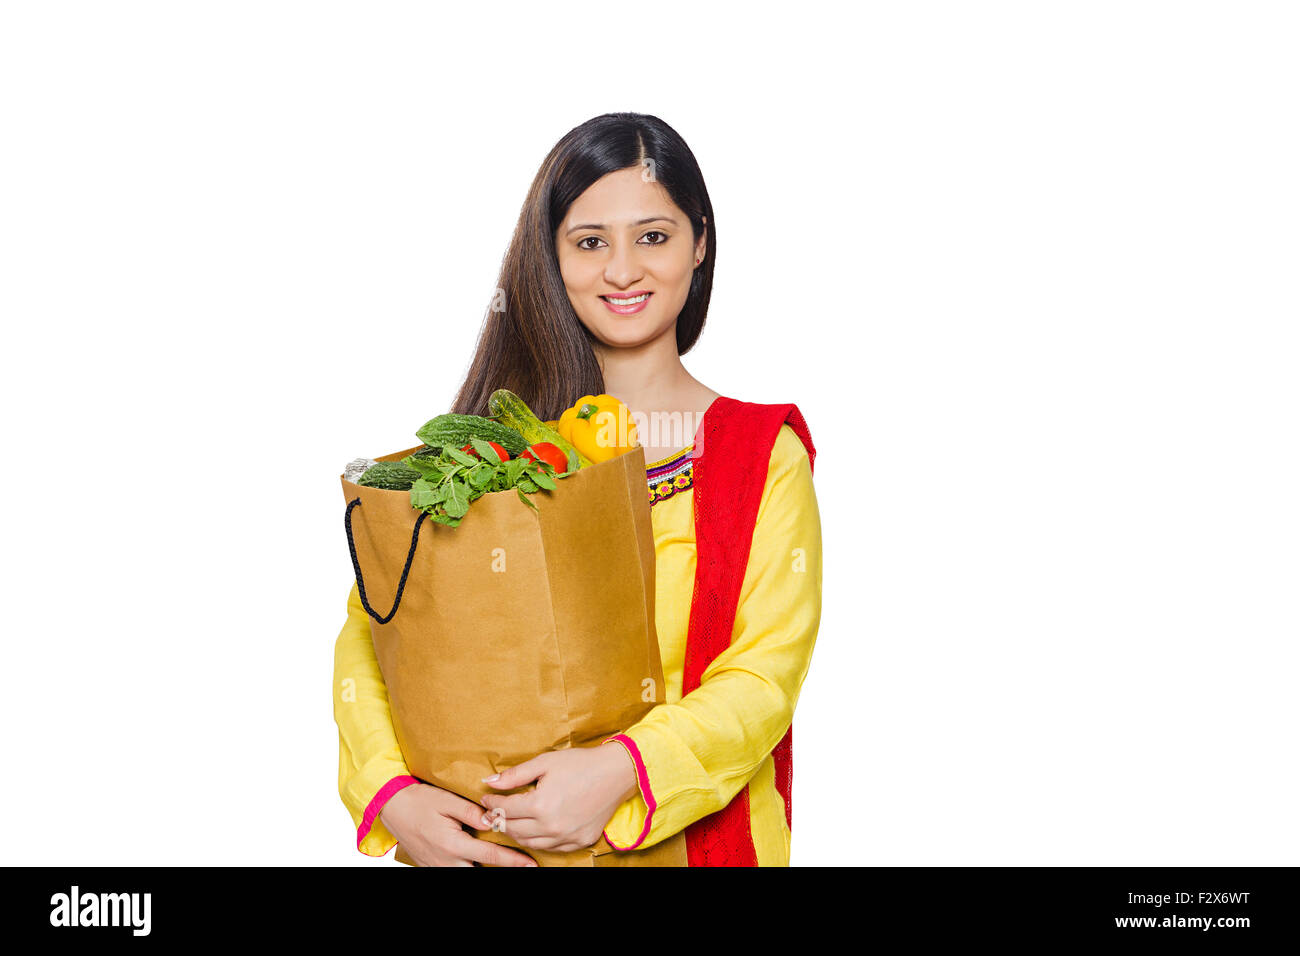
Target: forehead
{"x":621,"y":196}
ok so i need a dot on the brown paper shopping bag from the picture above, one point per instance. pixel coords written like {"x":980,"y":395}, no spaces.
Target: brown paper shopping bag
{"x":516,"y":632}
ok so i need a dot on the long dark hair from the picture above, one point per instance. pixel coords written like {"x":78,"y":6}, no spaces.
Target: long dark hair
{"x":532,"y":341}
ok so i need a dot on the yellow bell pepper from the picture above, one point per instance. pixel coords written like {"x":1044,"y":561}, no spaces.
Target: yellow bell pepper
{"x":599,"y":426}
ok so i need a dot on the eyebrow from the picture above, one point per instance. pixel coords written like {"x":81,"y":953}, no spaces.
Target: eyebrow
{"x":639,"y":222}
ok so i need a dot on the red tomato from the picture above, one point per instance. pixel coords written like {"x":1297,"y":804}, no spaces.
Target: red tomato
{"x":545,"y":451}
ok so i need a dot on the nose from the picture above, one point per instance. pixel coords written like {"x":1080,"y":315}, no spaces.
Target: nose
{"x":621,"y":268}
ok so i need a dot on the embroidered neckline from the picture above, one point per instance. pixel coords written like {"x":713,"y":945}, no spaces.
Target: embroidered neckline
{"x":670,"y":475}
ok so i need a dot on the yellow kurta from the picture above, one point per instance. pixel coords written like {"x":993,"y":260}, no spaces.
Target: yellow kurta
{"x":696,"y":753}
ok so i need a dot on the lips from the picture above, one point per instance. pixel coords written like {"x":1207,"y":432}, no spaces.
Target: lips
{"x":627,"y":303}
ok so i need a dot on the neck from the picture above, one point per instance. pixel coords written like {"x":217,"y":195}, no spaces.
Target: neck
{"x":645,"y":377}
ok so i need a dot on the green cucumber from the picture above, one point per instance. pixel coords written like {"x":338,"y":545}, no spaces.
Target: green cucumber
{"x":510,"y":410}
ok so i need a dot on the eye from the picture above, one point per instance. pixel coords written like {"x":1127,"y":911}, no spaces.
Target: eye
{"x":662,"y":240}
{"x":581,"y":241}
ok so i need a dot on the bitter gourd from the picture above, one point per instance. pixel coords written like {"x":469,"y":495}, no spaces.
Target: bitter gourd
{"x":391,"y":475}
{"x":456,"y":430}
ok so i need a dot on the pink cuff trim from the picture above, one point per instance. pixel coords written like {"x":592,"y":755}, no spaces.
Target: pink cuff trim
{"x":377,"y":803}
{"x":642,"y":782}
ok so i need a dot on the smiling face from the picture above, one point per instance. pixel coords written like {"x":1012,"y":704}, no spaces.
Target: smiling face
{"x":627,"y":255}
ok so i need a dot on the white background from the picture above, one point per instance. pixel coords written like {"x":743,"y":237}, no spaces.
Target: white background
{"x":1028,"y":269}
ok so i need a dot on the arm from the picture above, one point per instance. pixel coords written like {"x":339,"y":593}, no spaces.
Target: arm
{"x":693,"y":756}
{"x":372,"y":771}
{"x":371,"y":768}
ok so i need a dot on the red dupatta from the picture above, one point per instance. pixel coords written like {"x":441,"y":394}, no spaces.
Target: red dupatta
{"x":732,"y":449}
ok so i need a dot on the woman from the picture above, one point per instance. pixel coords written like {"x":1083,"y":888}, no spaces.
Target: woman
{"x":605,"y":285}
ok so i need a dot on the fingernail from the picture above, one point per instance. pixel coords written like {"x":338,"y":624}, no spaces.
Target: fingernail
{"x":530,"y":864}
{"x":491,"y":778}
{"x":486,"y":821}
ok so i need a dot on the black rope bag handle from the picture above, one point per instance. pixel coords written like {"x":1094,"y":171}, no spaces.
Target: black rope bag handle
{"x":356,"y":565}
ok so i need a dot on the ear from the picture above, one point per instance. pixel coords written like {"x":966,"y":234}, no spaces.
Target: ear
{"x":702,"y":246}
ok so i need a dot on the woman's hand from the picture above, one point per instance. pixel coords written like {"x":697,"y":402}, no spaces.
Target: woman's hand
{"x":577,"y":792}
{"x":427,"y":822}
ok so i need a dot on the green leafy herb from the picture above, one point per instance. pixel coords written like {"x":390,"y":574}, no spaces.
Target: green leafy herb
{"x":444,"y":485}
{"x":485,"y":451}
{"x":457,"y":455}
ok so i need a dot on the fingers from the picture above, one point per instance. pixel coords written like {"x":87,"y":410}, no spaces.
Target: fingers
{"x":515,"y":806}
{"x":526,"y":831}
{"x":485,"y":851}
{"x":517,"y":776}
{"x":519,"y":829}
{"x":532,"y":834}
{"x":467,"y":811}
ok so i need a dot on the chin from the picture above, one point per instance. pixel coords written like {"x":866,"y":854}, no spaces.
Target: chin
{"x":633,"y":331}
